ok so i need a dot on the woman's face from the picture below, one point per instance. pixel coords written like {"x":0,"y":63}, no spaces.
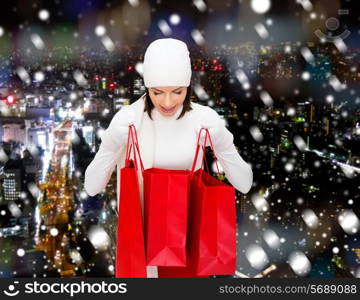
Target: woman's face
{"x":167,"y":99}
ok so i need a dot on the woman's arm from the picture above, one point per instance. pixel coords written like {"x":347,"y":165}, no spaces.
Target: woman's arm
{"x":114,"y":138}
{"x":99,"y":171}
{"x":237,"y":171}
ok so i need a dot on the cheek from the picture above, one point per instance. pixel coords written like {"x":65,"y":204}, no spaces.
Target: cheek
{"x":155,"y":99}
{"x":176,"y":99}
{"x":180,"y":98}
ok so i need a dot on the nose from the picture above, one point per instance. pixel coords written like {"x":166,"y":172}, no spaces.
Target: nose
{"x":167,"y":104}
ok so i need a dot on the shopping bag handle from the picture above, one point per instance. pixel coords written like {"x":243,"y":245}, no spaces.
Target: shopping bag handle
{"x":207,"y":135}
{"x":213,"y":151}
{"x":129,"y":145}
{"x":206,"y":164}
{"x":137,"y":147}
{"x":128,"y":148}
{"x":134,"y":142}
{"x":197,"y":150}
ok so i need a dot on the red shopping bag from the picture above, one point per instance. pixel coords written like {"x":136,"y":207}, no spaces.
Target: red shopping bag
{"x":213,"y":221}
{"x":166,"y":201}
{"x":211,"y":240}
{"x":130,"y":249}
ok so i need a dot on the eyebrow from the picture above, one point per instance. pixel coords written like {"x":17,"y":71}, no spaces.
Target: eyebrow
{"x":162,"y":91}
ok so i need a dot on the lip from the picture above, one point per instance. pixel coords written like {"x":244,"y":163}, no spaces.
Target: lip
{"x":168,"y":110}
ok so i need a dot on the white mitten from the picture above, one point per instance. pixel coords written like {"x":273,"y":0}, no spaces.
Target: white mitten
{"x":212,"y":121}
{"x":116,"y":135}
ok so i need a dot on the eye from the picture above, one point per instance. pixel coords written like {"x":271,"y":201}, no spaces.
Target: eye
{"x":178,"y":93}
{"x":155,"y":93}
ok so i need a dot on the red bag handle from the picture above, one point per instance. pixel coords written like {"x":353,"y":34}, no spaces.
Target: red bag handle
{"x":207,"y":134}
{"x":134,"y":142}
{"x":213,"y":151}
{"x":206,"y":164}
{"x":137,"y":147}
{"x":128,"y":148}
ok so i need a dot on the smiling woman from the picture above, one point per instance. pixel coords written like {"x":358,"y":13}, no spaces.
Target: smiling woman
{"x":167,"y":100}
{"x":168,"y":126}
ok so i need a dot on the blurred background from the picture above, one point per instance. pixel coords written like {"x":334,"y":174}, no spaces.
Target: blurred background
{"x":283,"y":74}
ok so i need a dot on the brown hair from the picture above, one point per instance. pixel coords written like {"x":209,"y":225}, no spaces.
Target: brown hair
{"x":186,"y":105}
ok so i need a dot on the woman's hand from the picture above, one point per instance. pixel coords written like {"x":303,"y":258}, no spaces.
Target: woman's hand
{"x":212,"y":121}
{"x":116,"y":134}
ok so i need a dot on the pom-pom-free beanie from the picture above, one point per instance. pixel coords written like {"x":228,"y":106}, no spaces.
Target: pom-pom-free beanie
{"x":167,"y":63}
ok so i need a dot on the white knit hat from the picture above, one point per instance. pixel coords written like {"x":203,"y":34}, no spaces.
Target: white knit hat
{"x":167,"y":63}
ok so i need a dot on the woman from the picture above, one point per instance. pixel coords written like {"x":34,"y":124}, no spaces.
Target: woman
{"x":167,"y":124}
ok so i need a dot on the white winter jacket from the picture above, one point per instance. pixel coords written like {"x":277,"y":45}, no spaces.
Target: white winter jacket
{"x":99,"y":171}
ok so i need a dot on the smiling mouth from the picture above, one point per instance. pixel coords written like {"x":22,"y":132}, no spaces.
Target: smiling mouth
{"x":168,"y":110}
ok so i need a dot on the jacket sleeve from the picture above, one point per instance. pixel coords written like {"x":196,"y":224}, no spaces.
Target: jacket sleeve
{"x":99,"y":171}
{"x":237,"y":171}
